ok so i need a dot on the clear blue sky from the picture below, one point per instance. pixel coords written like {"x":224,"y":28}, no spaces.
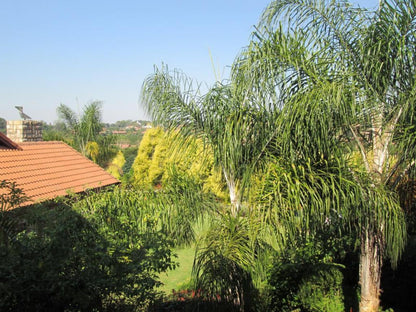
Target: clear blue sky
{"x":76,"y":51}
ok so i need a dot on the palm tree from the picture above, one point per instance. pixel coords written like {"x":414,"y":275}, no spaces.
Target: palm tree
{"x":228,"y":122}
{"x":86,"y":132}
{"x":237,"y":129}
{"x":343,"y":79}
{"x":86,"y":127}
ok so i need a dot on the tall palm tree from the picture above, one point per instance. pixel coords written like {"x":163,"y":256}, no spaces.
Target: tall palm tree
{"x":231,"y":124}
{"x":343,"y":79}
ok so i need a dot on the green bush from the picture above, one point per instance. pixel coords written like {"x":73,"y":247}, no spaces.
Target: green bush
{"x":322,"y":290}
{"x":304,"y":278}
{"x":310,"y":287}
{"x":65,"y":260}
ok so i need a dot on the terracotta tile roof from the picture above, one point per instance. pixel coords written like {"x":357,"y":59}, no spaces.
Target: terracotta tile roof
{"x":6,"y":143}
{"x":48,"y":169}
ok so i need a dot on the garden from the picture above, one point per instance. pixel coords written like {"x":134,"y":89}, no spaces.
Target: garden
{"x":288,"y":187}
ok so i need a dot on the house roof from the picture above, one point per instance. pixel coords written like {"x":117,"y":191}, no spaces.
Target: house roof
{"x":6,"y":143}
{"x":48,"y":169}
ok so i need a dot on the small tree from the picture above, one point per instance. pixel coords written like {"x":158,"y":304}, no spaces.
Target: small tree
{"x":86,"y":127}
{"x":86,"y":132}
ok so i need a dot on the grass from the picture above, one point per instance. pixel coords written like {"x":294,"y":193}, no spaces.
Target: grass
{"x":180,"y":276}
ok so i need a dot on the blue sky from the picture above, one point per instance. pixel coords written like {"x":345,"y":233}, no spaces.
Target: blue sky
{"x":74,"y":52}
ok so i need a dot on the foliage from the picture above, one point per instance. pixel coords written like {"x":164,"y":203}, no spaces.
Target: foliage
{"x":143,"y":161}
{"x":106,"y":149}
{"x":305,"y":198}
{"x":131,"y":137}
{"x":52,"y":135}
{"x":85,"y":130}
{"x":159,"y":161}
{"x":56,"y":132}
{"x":229,"y":261}
{"x":92,"y":150}
{"x":306,"y":275}
{"x":3,"y":125}
{"x":80,"y":259}
{"x":11,"y":197}
{"x":122,"y":124}
{"x":227,"y":122}
{"x":173,"y":210}
{"x":342,"y":79}
{"x":130,"y":154}
{"x":309,"y":287}
{"x":86,"y":127}
{"x":116,"y":165}
{"x":324,"y":113}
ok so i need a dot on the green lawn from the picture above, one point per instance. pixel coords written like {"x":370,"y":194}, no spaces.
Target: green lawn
{"x":174,"y":279}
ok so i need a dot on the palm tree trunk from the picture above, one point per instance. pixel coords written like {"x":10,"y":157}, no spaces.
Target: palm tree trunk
{"x":235,"y":202}
{"x":234,"y":193}
{"x":371,"y":258}
{"x":370,"y":272}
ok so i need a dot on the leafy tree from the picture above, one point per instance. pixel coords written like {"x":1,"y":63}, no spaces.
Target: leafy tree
{"x":159,"y":160}
{"x":57,"y":131}
{"x":343,"y":80}
{"x":106,"y":149}
{"x":234,"y":129}
{"x":116,"y":165}
{"x":142,"y":175}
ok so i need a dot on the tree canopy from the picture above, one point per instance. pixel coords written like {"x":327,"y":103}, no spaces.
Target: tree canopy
{"x":85,"y":129}
{"x":343,"y":80}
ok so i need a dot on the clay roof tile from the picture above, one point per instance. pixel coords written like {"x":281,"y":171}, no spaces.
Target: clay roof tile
{"x":48,"y":169}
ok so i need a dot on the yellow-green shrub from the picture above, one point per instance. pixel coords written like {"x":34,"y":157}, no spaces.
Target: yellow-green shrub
{"x":159,"y":152}
{"x":116,"y":166}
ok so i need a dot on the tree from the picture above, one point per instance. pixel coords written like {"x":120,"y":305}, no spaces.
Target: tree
{"x":223,"y":118}
{"x":85,"y":127}
{"x":142,"y":175}
{"x":236,"y":131}
{"x":159,"y":161}
{"x":116,"y":165}
{"x":86,"y":132}
{"x":343,"y":79}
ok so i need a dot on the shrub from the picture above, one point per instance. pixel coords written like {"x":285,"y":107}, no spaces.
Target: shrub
{"x":65,"y":260}
{"x":310,"y":287}
{"x":115,"y":168}
{"x":303,"y":278}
